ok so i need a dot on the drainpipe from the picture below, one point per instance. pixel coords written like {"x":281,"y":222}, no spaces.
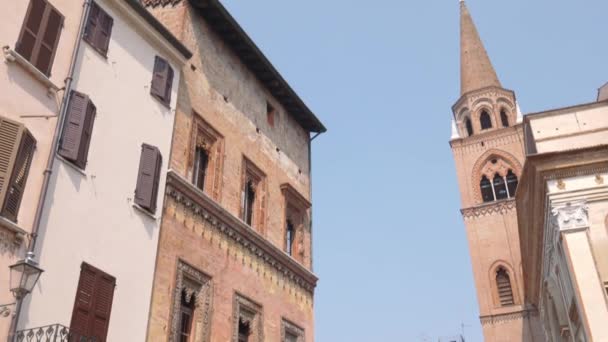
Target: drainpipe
{"x":312,"y":265}
{"x":51,"y":161}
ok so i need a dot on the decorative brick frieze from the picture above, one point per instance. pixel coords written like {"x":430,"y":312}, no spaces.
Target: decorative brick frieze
{"x":201,"y":207}
{"x":506,"y":317}
{"x":494,"y":208}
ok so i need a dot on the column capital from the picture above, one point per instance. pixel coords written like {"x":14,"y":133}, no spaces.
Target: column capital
{"x":572,"y":215}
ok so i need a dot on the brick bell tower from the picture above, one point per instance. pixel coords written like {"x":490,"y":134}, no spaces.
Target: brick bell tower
{"x":488,"y":147}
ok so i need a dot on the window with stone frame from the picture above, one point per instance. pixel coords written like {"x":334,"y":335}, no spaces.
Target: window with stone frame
{"x":247,"y":320}
{"x":192,"y":305}
{"x":290,"y":332}
{"x":253,"y":196}
{"x":296,"y":223}
{"x":206,"y":157}
{"x":498,"y":181}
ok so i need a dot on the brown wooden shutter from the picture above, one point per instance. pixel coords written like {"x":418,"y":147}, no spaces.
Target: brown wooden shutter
{"x":162,"y":80}
{"x":168,"y":84}
{"x":93,"y":305}
{"x":10,"y":138}
{"x":40,"y":35}
{"x":98,"y":29}
{"x":77,"y":130}
{"x":21,"y":169}
{"x":146,"y":191}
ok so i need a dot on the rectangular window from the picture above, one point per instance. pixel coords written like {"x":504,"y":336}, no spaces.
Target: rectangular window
{"x":162,"y":81}
{"x":290,"y":332}
{"x":40,"y":35}
{"x":148,"y":177}
{"x":17,"y":147}
{"x":253,"y":206}
{"x":248,"y":326}
{"x":206,"y":157}
{"x":297,"y":220}
{"x":93,"y":305}
{"x":77,"y":129}
{"x":290,"y":236}
{"x":186,"y":312}
{"x":98,"y":29}
{"x":270,"y":114}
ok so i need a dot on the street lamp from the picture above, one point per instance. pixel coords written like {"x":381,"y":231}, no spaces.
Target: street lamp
{"x":24,"y":276}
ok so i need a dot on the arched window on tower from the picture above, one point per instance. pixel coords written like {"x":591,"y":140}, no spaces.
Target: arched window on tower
{"x":486,"y":190}
{"x":500,"y":188}
{"x":485,"y":120}
{"x":504,"y":118}
{"x":511,"y":183}
{"x":503,"y":285}
{"x":469,"y":126}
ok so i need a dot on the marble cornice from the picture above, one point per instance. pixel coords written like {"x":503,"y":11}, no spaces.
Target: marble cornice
{"x":505,"y":317}
{"x":493,"y":208}
{"x":181,"y":191}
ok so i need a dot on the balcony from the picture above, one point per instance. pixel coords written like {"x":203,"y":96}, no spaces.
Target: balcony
{"x":50,"y":333}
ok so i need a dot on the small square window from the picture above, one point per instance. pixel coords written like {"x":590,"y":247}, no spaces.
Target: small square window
{"x":270,"y":114}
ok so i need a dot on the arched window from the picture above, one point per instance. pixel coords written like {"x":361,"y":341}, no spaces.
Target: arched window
{"x":503,"y":284}
{"x":469,"y":126}
{"x":511,"y":183}
{"x":504,"y":118}
{"x":485,"y":120}
{"x":486,"y":189}
{"x":500,"y":188}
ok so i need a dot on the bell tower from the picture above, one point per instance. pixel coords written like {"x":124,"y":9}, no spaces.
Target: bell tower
{"x":488,"y":147}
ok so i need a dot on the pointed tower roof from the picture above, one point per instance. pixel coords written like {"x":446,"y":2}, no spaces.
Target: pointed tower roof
{"x":476,"y":70}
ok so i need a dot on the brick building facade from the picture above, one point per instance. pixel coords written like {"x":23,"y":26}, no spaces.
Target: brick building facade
{"x":234,"y":259}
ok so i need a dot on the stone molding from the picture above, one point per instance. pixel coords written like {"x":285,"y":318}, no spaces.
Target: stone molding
{"x":572,"y":215}
{"x":288,"y":326}
{"x":195,"y":201}
{"x":501,"y":318}
{"x":493,"y":208}
{"x":197,"y":286}
{"x":251,"y":312}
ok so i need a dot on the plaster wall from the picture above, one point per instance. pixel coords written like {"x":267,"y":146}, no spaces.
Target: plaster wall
{"x":89,"y":215}
{"x":22,"y":97}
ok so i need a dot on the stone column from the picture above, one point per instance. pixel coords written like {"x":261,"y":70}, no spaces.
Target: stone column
{"x":572,"y":222}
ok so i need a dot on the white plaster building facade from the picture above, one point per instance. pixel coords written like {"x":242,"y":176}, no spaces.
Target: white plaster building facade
{"x":99,"y":233}
{"x":563,"y":216}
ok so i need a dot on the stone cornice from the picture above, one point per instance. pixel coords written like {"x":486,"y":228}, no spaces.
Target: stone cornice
{"x":505,"y":317}
{"x":180,"y":190}
{"x":493,"y":208}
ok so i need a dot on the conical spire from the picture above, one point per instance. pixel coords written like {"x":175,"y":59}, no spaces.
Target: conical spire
{"x":476,"y":70}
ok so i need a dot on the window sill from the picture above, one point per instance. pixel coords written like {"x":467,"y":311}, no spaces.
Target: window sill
{"x":144,"y":211}
{"x":13,"y":57}
{"x":162,"y":102}
{"x":12,"y":227}
{"x":71,"y":165}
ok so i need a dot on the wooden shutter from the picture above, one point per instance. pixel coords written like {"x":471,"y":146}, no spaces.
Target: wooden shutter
{"x":148,"y":177}
{"x":40,"y":35}
{"x":77,"y":130}
{"x":98,"y":29}
{"x":10,"y":138}
{"x":18,"y":179}
{"x":162,"y":80}
{"x":93,"y":305}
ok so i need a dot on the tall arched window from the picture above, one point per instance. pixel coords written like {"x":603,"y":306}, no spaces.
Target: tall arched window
{"x":500,"y":188}
{"x":485,"y":120}
{"x":511,"y":183}
{"x":486,"y":190}
{"x":504,"y":118}
{"x":503,"y":284}
{"x":469,"y":126}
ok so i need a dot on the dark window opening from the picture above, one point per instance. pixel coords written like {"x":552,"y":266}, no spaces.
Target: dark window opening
{"x":244,"y":330}
{"x":511,"y":183}
{"x":186,"y":312}
{"x":249,"y":202}
{"x":485,"y":120}
{"x":469,"y":126}
{"x":503,"y":283}
{"x":290,"y":337}
{"x":201,"y":160}
{"x":504,"y":118}
{"x":290,"y":235}
{"x":270,"y":113}
{"x":486,"y":190}
{"x":500,"y":188}
{"x":98,"y":29}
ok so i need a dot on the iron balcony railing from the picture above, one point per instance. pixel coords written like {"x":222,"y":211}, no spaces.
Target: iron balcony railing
{"x":50,"y":333}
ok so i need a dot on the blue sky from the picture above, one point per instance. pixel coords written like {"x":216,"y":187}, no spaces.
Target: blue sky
{"x":390,"y":246}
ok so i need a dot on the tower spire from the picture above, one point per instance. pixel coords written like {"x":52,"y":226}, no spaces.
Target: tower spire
{"x":476,"y":70}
